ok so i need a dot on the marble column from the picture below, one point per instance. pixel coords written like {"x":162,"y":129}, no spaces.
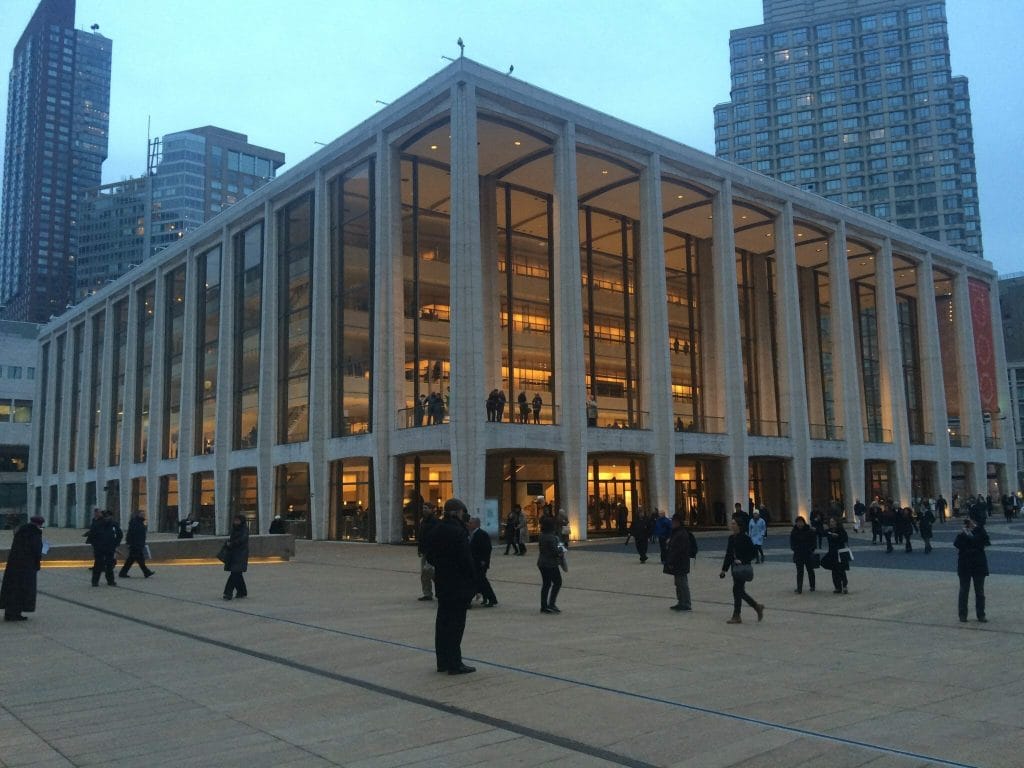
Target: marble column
{"x":893,"y":392}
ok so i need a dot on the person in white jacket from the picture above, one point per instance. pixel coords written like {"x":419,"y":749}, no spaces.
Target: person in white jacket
{"x":757,"y":529}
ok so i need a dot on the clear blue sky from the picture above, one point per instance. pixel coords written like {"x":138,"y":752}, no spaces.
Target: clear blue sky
{"x":291,"y":73}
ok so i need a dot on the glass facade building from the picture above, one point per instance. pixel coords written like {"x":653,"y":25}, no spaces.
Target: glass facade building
{"x":857,"y":102}
{"x":489,"y":291}
{"x":57,"y":125}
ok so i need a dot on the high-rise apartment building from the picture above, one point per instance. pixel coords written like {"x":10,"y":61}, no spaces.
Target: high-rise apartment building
{"x":856,"y":101}
{"x":191,"y":177}
{"x":57,"y":125}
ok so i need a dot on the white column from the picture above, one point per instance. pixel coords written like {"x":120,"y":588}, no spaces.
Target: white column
{"x":846,"y":365}
{"x":187,"y":419}
{"x":570,"y":371}
{"x":656,"y":382}
{"x":266,"y":435}
{"x":157,"y":389}
{"x":224,"y":428}
{"x":320,"y":416}
{"x":389,"y":340}
{"x":84,"y":406}
{"x":970,"y":395}
{"x":727,"y":330}
{"x":466,"y":340}
{"x":1008,"y":448}
{"x":933,"y":388}
{"x":893,"y":392}
{"x":106,"y":417}
{"x":791,"y":365}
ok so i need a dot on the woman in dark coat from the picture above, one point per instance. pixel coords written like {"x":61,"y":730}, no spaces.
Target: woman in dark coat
{"x":835,"y":560}
{"x":136,"y":541}
{"x":18,"y":592}
{"x":924,"y":525}
{"x":237,"y":561}
{"x":803,"y":542}
{"x":547,"y":563}
{"x":972,"y":565}
{"x":740,"y":551}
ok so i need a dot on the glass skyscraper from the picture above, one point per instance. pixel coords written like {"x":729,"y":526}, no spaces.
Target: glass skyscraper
{"x":57,"y":127}
{"x":857,"y":102}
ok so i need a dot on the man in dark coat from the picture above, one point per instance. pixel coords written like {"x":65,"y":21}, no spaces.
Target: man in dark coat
{"x":480,"y":548}
{"x":236,"y":561}
{"x":136,"y":541}
{"x":18,"y":592}
{"x":447,"y":548}
{"x":677,"y":562}
{"x":641,"y":530}
{"x":104,"y":535}
{"x":972,"y":566}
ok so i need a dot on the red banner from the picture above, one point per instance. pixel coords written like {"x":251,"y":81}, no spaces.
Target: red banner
{"x":984,"y":346}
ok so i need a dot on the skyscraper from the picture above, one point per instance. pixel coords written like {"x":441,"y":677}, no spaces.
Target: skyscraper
{"x":856,"y":101}
{"x":57,"y":126}
{"x":192,"y":176}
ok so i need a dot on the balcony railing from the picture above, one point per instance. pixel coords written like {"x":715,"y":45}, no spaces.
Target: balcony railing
{"x":826,"y":431}
{"x":421,"y":417}
{"x":513,"y":414}
{"x":958,"y":439}
{"x":708,"y":425}
{"x":993,"y":441}
{"x":922,"y":438}
{"x":768,"y":428}
{"x":876,"y":434}
{"x":613,"y":418}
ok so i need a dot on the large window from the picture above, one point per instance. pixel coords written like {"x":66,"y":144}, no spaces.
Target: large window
{"x":295,"y":264}
{"x":174,"y":319}
{"x":75,"y":406}
{"x":207,"y":338}
{"x":120,"y":342}
{"x":58,"y":401}
{"x":870,"y":362}
{"x":756,"y":287}
{"x":352,"y":279}
{"x":144,"y":367}
{"x":248,"y":253}
{"x":682,"y":255}
{"x":95,"y":386}
{"x":525,"y":292}
{"x":906,"y":309}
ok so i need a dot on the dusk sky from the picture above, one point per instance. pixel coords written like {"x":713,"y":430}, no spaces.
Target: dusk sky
{"x":289,"y":74}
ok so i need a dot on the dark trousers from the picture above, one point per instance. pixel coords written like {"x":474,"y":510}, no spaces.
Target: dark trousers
{"x":641,"y":547}
{"x":483,"y":586}
{"x":551,"y":582}
{"x":663,"y":546}
{"x":876,"y":532}
{"x":906,"y":541}
{"x":449,"y":626}
{"x":131,"y":560}
{"x":235,"y":584}
{"x":739,"y":594}
{"x":887,"y":532}
{"x":979,"y":595}
{"x":839,"y":580}
{"x":800,"y":568}
{"x":103,"y":562}
{"x":760,"y":552}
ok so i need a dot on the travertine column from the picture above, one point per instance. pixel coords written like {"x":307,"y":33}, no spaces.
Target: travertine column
{"x":793,"y":392}
{"x":157,"y":390}
{"x":894,"y":396}
{"x":725,"y":302}
{"x":389,"y":340}
{"x":568,"y":329}
{"x":468,"y":381}
{"x":320,"y":417}
{"x":656,"y":386}
{"x":224,"y":428}
{"x":932,"y":376}
{"x":266,"y":435}
{"x":845,"y":366}
{"x":107,"y":384}
{"x":84,"y":406}
{"x":970,"y":394}
{"x":187,"y":421}
{"x":130,"y":410}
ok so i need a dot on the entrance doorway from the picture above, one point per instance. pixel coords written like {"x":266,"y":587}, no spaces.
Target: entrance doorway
{"x":617,"y":487}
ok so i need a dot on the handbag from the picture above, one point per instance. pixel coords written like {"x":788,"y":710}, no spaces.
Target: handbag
{"x":563,"y":563}
{"x":224,"y":554}
{"x":743,"y":572}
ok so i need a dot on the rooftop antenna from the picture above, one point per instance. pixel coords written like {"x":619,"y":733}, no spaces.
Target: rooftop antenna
{"x":462,"y":47}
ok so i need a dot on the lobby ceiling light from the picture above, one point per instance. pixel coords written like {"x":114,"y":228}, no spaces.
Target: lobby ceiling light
{"x":518,"y":143}
{"x":433,"y":146}
{"x":604,"y":171}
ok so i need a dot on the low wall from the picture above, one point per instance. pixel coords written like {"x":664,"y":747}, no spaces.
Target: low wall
{"x":169,"y":550}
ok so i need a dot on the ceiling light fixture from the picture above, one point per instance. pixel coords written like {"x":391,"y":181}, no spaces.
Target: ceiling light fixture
{"x":433,"y":146}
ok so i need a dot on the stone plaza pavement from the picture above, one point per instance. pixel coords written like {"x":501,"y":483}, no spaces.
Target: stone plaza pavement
{"x":330,"y":662}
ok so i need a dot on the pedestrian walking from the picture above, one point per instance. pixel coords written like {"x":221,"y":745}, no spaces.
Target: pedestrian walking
{"x":802,"y":540}
{"x":236,"y":560}
{"x":972,"y":566}
{"x":641,"y":530}
{"x":906,"y":523}
{"x":548,"y":561}
{"x":136,"y":541}
{"x":662,"y":532}
{"x":837,"y":559}
{"x":447,"y":548}
{"x":18,"y":590}
{"x":104,"y":536}
{"x":924,"y":525}
{"x":480,"y":548}
{"x":738,"y":555}
{"x":859,"y":511}
{"x":677,"y":562}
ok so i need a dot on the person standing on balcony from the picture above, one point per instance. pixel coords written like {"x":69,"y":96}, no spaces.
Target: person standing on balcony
{"x":524,"y":407}
{"x":591,"y":410}
{"x":537,"y":404}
